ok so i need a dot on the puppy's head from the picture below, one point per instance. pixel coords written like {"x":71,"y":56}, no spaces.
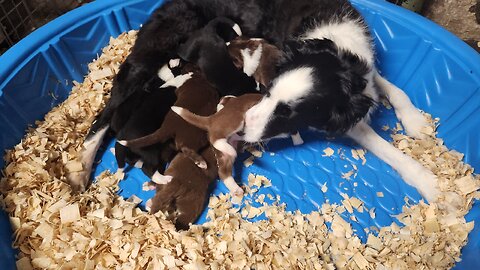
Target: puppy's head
{"x":214,"y":35}
{"x":256,"y":57}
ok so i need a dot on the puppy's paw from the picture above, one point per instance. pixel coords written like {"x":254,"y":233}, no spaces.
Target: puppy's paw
{"x":297,"y":139}
{"x":413,"y":121}
{"x":201,"y":164}
{"x":148,"y":205}
{"x":138,"y":164}
{"x":161,"y":179}
{"x":238,"y":192}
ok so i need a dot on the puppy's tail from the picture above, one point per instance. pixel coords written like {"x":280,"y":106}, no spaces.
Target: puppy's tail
{"x":201,"y":122}
{"x":159,"y":136}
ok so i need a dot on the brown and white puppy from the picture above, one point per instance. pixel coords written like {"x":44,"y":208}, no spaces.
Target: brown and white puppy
{"x":222,"y":128}
{"x":184,"y":198}
{"x":256,"y":57}
{"x":195,"y":93}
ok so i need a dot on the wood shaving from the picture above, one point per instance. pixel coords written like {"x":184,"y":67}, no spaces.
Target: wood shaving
{"x":359,"y":154}
{"x":328,"y":152}
{"x":98,"y":229}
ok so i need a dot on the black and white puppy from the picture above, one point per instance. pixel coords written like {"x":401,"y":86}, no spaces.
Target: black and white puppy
{"x":328,"y":82}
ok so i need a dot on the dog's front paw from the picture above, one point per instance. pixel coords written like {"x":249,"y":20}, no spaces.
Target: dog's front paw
{"x":414,"y":122}
{"x":426,"y":183}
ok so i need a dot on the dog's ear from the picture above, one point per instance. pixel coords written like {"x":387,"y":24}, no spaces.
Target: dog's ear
{"x":345,"y":114}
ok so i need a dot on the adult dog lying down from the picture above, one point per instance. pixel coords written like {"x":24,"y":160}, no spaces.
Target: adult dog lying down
{"x":340,"y":104}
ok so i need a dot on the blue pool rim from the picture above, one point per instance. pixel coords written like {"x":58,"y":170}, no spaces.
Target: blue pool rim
{"x":14,"y":60}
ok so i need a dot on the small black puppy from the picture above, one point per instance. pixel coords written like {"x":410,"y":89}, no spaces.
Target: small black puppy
{"x":207,"y":48}
{"x":146,"y":118}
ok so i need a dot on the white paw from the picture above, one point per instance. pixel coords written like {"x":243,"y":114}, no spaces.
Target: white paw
{"x":138,"y":164}
{"x":174,"y":62}
{"x":238,"y":192}
{"x":233,"y":187}
{"x":424,"y":181}
{"x":161,"y":179}
{"x":122,"y":142}
{"x":297,"y":139}
{"x":201,"y":164}
{"x":148,"y":205}
{"x":413,"y":121}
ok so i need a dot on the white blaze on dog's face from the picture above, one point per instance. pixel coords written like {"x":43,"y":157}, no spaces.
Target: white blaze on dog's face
{"x":288,"y":89}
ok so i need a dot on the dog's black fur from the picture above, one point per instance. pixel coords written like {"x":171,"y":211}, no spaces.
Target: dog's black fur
{"x":336,"y":102}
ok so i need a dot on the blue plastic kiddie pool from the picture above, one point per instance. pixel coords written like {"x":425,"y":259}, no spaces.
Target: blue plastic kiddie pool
{"x":440,"y":73}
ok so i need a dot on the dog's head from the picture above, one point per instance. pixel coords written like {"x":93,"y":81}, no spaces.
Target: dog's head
{"x":318,"y":86}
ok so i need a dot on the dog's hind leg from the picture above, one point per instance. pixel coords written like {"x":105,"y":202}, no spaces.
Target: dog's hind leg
{"x":412,"y":119}
{"x":410,"y":170}
{"x":79,"y":180}
{"x":225,"y":167}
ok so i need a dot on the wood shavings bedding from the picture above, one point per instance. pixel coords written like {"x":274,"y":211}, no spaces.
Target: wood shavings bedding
{"x":55,"y":229}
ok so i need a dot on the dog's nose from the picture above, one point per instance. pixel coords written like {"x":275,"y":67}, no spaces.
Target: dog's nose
{"x":241,"y":133}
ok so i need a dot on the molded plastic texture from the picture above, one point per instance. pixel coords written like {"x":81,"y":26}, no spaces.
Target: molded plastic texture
{"x":438,"y":71}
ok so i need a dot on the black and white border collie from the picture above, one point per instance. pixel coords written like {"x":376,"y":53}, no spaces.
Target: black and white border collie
{"x":299,"y":84}
{"x":328,"y":82}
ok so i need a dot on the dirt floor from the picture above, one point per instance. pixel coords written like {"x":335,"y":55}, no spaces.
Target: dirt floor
{"x":461,"y":17}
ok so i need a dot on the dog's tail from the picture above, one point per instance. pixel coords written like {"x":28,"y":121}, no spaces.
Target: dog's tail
{"x":201,"y":122}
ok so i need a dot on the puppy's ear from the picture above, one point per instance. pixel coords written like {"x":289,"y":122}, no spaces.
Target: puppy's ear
{"x":226,"y":29}
{"x":189,"y":50}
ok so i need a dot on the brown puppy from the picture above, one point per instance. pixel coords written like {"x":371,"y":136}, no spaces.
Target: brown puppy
{"x":222,"y":128}
{"x":258,"y":59}
{"x":183,"y":199}
{"x":195,"y":93}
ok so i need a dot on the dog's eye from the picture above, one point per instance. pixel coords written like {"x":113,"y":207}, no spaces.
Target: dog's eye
{"x":283,"y":110}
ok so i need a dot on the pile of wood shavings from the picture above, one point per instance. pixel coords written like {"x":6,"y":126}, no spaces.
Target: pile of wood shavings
{"x":100,"y":230}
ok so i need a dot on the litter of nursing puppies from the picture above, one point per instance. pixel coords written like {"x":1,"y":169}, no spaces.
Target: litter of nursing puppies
{"x":57,"y":229}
